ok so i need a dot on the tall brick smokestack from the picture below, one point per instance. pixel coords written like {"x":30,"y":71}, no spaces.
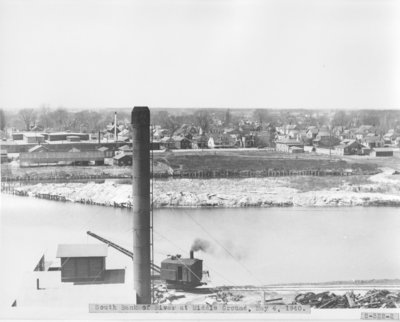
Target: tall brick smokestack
{"x":141,"y":203}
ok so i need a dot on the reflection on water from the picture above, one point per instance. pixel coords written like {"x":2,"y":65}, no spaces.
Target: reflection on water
{"x":247,"y":246}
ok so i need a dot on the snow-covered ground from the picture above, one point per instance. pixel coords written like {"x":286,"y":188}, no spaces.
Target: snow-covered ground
{"x":380,"y":189}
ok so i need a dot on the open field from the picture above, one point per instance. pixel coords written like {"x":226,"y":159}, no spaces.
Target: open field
{"x":256,"y":160}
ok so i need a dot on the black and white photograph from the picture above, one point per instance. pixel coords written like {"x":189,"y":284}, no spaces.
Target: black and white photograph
{"x":200,"y":159}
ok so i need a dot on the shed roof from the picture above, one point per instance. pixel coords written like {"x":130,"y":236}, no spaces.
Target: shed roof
{"x":67,"y":133}
{"x":382,"y":149}
{"x":38,"y":147}
{"x":122,"y":155}
{"x":373,"y":139}
{"x":82,"y":250}
{"x":33,"y":135}
{"x":290,"y":142}
{"x":103,"y":148}
{"x":125,"y":147}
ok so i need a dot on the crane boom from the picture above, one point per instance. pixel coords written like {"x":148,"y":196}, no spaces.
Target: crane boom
{"x":121,"y":249}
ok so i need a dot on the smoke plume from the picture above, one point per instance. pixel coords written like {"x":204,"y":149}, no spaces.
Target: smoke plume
{"x":201,"y":244}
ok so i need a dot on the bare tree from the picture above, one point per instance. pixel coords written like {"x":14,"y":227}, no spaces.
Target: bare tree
{"x":45,"y":117}
{"x":228,"y":117}
{"x":27,"y":115}
{"x":261,"y":115}
{"x":203,"y":119}
{"x":340,"y":118}
{"x":2,"y":120}
{"x":172,"y":123}
{"x":61,"y":118}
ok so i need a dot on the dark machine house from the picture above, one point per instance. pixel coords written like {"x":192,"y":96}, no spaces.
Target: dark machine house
{"x":181,"y":272}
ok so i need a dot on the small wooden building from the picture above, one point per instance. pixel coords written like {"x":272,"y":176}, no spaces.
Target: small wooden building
{"x":286,"y":145}
{"x":123,"y":159}
{"x":182,"y":272}
{"x":82,"y":262}
{"x":107,"y":152}
{"x":155,"y":145}
{"x":382,"y":152}
{"x":3,"y":156}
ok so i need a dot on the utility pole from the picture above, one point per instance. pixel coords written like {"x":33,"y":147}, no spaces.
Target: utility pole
{"x":330,"y":142}
{"x":115,"y":130}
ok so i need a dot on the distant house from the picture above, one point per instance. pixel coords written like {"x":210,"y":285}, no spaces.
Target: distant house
{"x":247,"y":140}
{"x":199,"y":142}
{"x":346,"y":134}
{"x":312,"y":132}
{"x":224,"y":141}
{"x":123,"y":159}
{"x":167,"y":143}
{"x":349,"y":147}
{"x":290,"y":128}
{"x":107,"y":152}
{"x":181,"y":142}
{"x":363,"y":131}
{"x":289,"y":145}
{"x":374,"y":141}
{"x":325,"y":139}
{"x":382,"y":152}
{"x":187,"y":131}
{"x":390,"y":137}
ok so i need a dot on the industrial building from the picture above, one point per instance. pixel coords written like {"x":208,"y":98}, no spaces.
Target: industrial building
{"x":33,"y":138}
{"x":63,"y":136}
{"x":76,"y":158}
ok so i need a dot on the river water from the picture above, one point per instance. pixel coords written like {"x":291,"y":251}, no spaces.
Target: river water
{"x":246,"y":246}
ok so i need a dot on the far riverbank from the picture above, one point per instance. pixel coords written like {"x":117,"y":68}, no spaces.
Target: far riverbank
{"x":382,"y":189}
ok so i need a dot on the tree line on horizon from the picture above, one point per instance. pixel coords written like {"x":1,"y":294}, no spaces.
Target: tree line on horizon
{"x":89,"y":121}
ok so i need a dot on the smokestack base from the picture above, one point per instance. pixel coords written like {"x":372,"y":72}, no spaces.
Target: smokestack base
{"x":191,"y":254}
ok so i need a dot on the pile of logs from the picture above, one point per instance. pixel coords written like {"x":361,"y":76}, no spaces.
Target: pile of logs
{"x":371,"y":299}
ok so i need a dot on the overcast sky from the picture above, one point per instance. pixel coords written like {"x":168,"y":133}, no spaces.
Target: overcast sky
{"x":200,"y":53}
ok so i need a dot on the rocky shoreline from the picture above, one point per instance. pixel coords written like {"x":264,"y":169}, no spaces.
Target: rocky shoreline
{"x":382,"y":189}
